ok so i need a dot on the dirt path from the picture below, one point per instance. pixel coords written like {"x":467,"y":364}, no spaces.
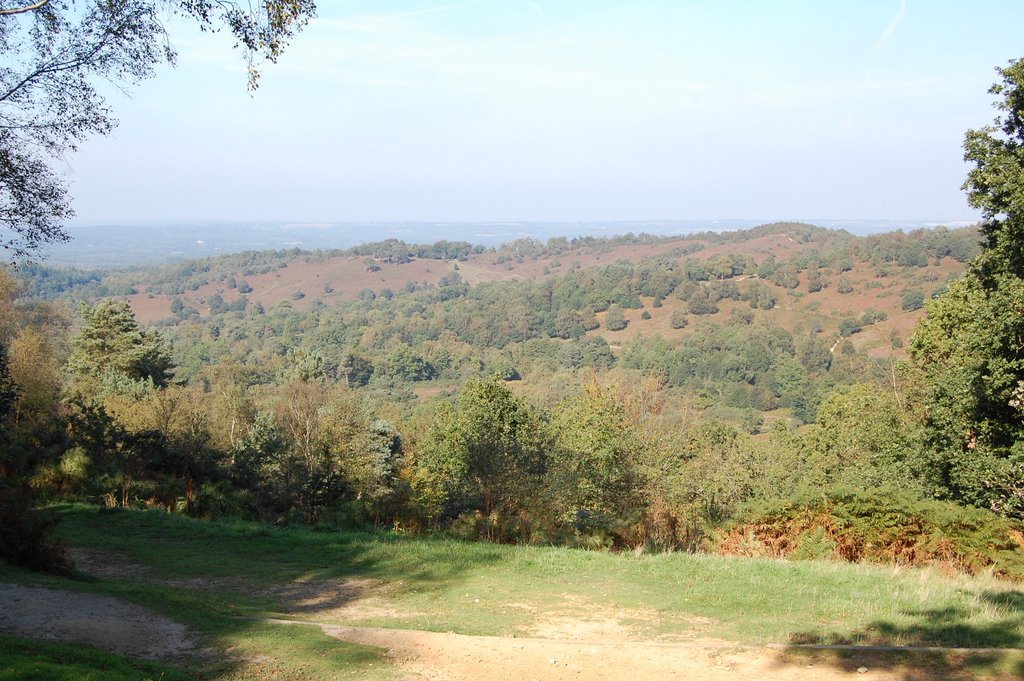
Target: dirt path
{"x":455,"y":657}
{"x":102,"y":621}
{"x":596,"y":647}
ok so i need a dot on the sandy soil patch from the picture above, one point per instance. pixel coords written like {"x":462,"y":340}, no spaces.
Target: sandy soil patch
{"x":102,"y":621}
{"x":454,"y":657}
{"x":584,"y":620}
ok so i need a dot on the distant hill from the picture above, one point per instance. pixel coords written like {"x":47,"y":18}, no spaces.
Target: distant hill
{"x":151,"y":243}
{"x":856,"y":294}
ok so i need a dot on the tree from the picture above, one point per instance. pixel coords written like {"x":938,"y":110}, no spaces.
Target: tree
{"x":488,"y":452}
{"x":593,"y":475}
{"x":996,"y":183}
{"x":679,"y":318}
{"x":970,"y":347}
{"x":913,"y":299}
{"x":111,"y":344}
{"x":614,"y":320}
{"x":53,"y":55}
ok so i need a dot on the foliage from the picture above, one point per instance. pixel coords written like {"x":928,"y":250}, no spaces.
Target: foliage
{"x":880,"y":525}
{"x":343,"y":414}
{"x":110,"y":342}
{"x":969,"y":349}
{"x":487,"y":452}
{"x":614,"y":320}
{"x":679,"y":319}
{"x":593,"y":481}
{"x":867,"y":440}
{"x":54,"y":55}
{"x":913,"y":299}
{"x":26,"y":537}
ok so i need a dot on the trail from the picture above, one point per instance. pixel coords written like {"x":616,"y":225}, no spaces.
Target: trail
{"x":457,"y":657}
{"x":575,"y":649}
{"x":102,"y":621}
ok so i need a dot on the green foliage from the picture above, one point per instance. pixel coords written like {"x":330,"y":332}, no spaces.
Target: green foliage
{"x":309,"y":415}
{"x":406,"y":364}
{"x":995,"y":185}
{"x":702,"y":302}
{"x":614,"y":319}
{"x":593,"y":481}
{"x":487,"y":453}
{"x":110,"y":341}
{"x":968,"y":352}
{"x":848,"y":327}
{"x":969,"y":348}
{"x":867,"y":440}
{"x":913,"y":299}
{"x":880,"y":525}
{"x":679,"y":318}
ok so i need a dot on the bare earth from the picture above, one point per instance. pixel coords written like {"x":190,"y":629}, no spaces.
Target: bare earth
{"x":102,"y":621}
{"x":598,"y":646}
{"x":454,"y":657}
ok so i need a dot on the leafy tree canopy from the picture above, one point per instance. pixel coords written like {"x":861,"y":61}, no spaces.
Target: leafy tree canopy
{"x":53,"y":53}
{"x":111,"y":343}
{"x":970,"y":349}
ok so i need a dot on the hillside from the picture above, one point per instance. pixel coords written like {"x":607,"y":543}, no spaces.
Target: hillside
{"x":692,"y":375}
{"x":715,"y":317}
{"x":307,"y":279}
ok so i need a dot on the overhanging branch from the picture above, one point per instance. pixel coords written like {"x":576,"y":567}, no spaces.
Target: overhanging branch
{"x":22,"y":10}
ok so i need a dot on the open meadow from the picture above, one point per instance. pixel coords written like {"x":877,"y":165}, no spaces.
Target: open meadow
{"x":436,"y":607}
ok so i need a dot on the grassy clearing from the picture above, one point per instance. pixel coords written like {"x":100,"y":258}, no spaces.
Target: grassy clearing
{"x":441,"y":584}
{"x":210,"y":575}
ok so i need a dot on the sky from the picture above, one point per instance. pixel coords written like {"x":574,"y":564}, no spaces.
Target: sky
{"x":545,"y":110}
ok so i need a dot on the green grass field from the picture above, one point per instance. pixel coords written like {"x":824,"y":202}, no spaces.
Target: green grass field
{"x":216,"y":576}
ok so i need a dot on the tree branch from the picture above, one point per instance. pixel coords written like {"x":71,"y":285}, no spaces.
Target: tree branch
{"x":22,"y":10}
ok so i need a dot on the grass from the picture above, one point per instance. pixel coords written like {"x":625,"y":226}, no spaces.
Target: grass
{"x":43,"y":661}
{"x":209,"y":575}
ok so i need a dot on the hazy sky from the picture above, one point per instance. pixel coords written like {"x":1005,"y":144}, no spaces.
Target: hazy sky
{"x":565,"y":110}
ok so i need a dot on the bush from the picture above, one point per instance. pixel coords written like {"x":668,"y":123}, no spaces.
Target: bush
{"x":880,"y":525}
{"x":912,"y":300}
{"x":25,"y":534}
{"x":678,"y":320}
{"x":614,"y":320}
{"x":848,"y":327}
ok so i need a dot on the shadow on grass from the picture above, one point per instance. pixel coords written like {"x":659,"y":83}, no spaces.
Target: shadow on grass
{"x":264,"y":561}
{"x":219,"y":578}
{"x":961,"y":646}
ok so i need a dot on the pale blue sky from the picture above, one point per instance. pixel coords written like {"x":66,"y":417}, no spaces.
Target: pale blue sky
{"x":481,"y":110}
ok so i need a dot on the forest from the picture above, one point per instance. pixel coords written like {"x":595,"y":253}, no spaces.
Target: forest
{"x":765,"y":392}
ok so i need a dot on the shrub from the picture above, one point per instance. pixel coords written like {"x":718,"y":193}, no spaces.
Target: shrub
{"x":614,"y":320}
{"x":879,"y":525}
{"x":848,"y":327}
{"x":912,"y":300}
{"x":25,"y":534}
{"x":678,"y":320}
